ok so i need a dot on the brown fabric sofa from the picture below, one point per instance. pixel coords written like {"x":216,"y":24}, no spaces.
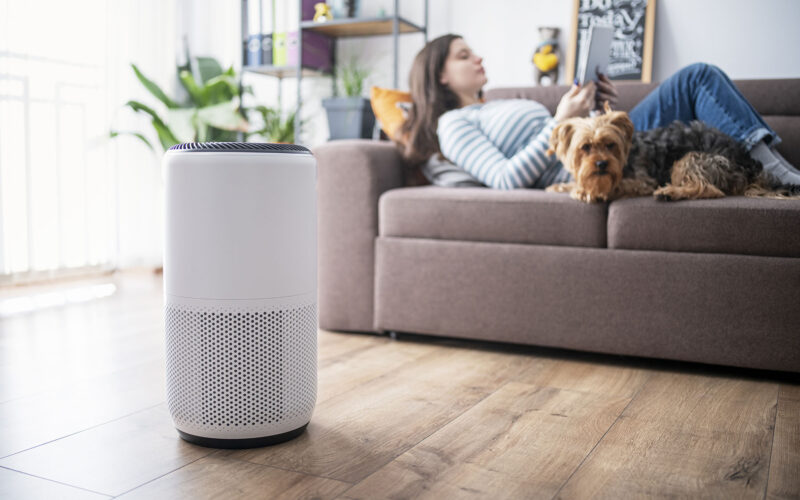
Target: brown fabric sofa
{"x":712,"y":281}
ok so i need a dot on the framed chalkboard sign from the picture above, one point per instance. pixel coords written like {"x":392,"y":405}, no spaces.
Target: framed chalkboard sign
{"x":632,"y":48}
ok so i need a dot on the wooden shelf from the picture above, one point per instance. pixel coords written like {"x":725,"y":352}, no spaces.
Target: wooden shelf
{"x":284,"y":71}
{"x":360,"y":27}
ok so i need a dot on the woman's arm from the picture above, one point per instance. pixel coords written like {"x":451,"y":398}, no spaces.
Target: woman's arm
{"x":463,"y":143}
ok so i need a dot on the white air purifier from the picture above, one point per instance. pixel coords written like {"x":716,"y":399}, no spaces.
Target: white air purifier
{"x":240,"y":291}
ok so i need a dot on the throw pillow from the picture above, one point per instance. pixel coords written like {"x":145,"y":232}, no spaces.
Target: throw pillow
{"x":386,"y":104}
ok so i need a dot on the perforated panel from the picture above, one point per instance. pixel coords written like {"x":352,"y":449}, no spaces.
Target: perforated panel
{"x":241,"y":147}
{"x":241,"y":369}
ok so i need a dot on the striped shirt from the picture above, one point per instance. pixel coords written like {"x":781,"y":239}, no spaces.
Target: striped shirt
{"x":502,"y":143}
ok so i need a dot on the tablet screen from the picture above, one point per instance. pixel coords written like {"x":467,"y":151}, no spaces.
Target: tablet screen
{"x":595,"y":54}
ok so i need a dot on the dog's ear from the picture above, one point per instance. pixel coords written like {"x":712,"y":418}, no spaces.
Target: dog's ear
{"x":606,"y":107}
{"x":560,"y":139}
{"x":621,"y":120}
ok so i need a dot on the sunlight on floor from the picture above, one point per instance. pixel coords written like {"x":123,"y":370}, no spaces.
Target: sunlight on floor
{"x":34,"y":302}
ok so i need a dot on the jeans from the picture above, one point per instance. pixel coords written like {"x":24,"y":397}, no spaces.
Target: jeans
{"x":703,"y":92}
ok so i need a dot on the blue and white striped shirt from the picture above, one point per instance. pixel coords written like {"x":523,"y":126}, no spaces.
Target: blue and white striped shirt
{"x":502,"y":143}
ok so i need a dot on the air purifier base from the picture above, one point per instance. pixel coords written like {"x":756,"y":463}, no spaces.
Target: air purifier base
{"x":242,"y":443}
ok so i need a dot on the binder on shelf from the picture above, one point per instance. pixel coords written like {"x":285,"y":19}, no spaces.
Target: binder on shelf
{"x":266,"y":49}
{"x":292,"y":15}
{"x":317,"y":51}
{"x":279,"y":49}
{"x":266,"y":28}
{"x":280,"y":14}
{"x":252,"y":39}
{"x":268,"y":16}
{"x":253,"y":51}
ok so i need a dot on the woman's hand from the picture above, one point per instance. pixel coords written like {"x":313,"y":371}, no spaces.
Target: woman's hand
{"x":578,"y":101}
{"x":606,"y":91}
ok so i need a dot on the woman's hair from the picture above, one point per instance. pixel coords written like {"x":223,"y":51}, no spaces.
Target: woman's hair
{"x":431,"y":99}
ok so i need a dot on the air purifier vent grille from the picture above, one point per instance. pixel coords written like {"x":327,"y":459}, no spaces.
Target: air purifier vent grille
{"x":240,"y":147}
{"x":241,"y":369}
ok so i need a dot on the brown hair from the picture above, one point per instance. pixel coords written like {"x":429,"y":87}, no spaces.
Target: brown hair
{"x":431,"y":99}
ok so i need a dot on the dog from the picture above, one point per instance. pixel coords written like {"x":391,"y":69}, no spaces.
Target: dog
{"x":609,"y":160}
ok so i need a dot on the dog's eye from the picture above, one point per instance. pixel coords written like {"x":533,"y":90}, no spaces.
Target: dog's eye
{"x":586,"y":148}
{"x":611,"y":145}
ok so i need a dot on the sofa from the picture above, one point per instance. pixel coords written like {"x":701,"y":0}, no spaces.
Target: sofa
{"x":709,"y":281}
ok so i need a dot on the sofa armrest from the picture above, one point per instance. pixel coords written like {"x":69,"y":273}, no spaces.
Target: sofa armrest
{"x":351,"y":176}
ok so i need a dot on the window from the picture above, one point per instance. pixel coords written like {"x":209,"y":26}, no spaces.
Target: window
{"x":71,"y":199}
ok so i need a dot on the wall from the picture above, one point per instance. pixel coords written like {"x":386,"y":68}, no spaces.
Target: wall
{"x":747,"y":39}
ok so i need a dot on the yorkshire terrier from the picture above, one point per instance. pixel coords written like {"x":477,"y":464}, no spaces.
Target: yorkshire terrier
{"x":608,"y":161}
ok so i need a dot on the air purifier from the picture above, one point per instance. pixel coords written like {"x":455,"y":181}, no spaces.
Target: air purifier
{"x":240,"y":291}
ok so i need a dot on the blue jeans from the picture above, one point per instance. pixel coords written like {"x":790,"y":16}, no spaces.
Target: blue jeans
{"x":703,"y":92}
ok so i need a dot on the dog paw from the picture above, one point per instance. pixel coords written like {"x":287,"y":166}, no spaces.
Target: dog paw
{"x":584,"y":196}
{"x":665,"y":193}
{"x":564,"y":187}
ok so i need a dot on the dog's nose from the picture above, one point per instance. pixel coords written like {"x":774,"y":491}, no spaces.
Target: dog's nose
{"x":602,"y":164}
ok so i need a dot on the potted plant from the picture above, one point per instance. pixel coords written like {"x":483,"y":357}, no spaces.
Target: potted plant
{"x":351,"y":116}
{"x":210,"y":112}
{"x":275,"y":127}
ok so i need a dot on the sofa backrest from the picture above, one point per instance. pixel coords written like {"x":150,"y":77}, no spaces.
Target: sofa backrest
{"x":778,"y":101}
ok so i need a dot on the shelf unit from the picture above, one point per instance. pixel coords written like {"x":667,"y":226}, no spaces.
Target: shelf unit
{"x":393,"y":25}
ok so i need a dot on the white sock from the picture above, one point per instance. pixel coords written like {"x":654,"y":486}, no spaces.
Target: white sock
{"x":775,"y":164}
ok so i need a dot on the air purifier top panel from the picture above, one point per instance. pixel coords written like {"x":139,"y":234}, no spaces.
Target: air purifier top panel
{"x":239,"y":225}
{"x":242,"y":147}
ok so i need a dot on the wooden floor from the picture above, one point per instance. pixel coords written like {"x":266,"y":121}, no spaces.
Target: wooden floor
{"x":83,"y":415}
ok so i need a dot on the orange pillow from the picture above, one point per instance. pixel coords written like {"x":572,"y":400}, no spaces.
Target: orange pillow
{"x":384,"y":105}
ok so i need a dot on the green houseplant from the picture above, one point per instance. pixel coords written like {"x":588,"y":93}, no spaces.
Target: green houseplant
{"x":211,"y":110}
{"x":351,"y":116}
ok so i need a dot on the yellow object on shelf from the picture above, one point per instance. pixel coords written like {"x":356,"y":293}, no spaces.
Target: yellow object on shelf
{"x":545,"y":60}
{"x":323,"y":12}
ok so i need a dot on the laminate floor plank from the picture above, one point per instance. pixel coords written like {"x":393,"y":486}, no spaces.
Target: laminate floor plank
{"x":60,"y":346}
{"x":684,"y":436}
{"x":336,"y":346}
{"x":784,"y":468}
{"x":112,"y":458}
{"x":523,"y":441}
{"x":217,"y":477}
{"x":353,"y":369}
{"x":31,"y":421}
{"x":18,"y":486}
{"x":354,"y":434}
{"x":594,"y":377}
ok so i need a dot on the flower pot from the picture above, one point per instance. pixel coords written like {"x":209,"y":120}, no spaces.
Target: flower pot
{"x":349,"y":117}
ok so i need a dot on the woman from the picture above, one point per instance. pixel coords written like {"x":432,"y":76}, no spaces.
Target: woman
{"x":502,"y":143}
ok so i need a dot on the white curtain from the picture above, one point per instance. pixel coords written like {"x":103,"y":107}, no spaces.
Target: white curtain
{"x":71,"y":199}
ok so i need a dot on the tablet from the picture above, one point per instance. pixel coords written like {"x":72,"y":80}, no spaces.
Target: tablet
{"x":595,"y":54}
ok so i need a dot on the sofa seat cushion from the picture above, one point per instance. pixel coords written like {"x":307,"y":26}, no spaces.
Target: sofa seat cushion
{"x":527,"y":216}
{"x":733,"y":225}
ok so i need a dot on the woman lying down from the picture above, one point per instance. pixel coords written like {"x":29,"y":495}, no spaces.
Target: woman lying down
{"x":504,"y":144}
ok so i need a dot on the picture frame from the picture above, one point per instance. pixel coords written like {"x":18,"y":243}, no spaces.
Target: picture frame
{"x":632,"y":48}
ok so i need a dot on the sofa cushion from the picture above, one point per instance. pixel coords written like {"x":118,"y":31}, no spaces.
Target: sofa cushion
{"x":478,"y":214}
{"x":733,"y":225}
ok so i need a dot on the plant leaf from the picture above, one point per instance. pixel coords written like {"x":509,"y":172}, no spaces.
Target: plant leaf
{"x":198,"y":95}
{"x":165,"y":135}
{"x":154,"y":89}
{"x":182,"y":123}
{"x":224,"y":115}
{"x":114,"y":133}
{"x":221,"y":88}
{"x":139,"y":107}
{"x":208,"y":67}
